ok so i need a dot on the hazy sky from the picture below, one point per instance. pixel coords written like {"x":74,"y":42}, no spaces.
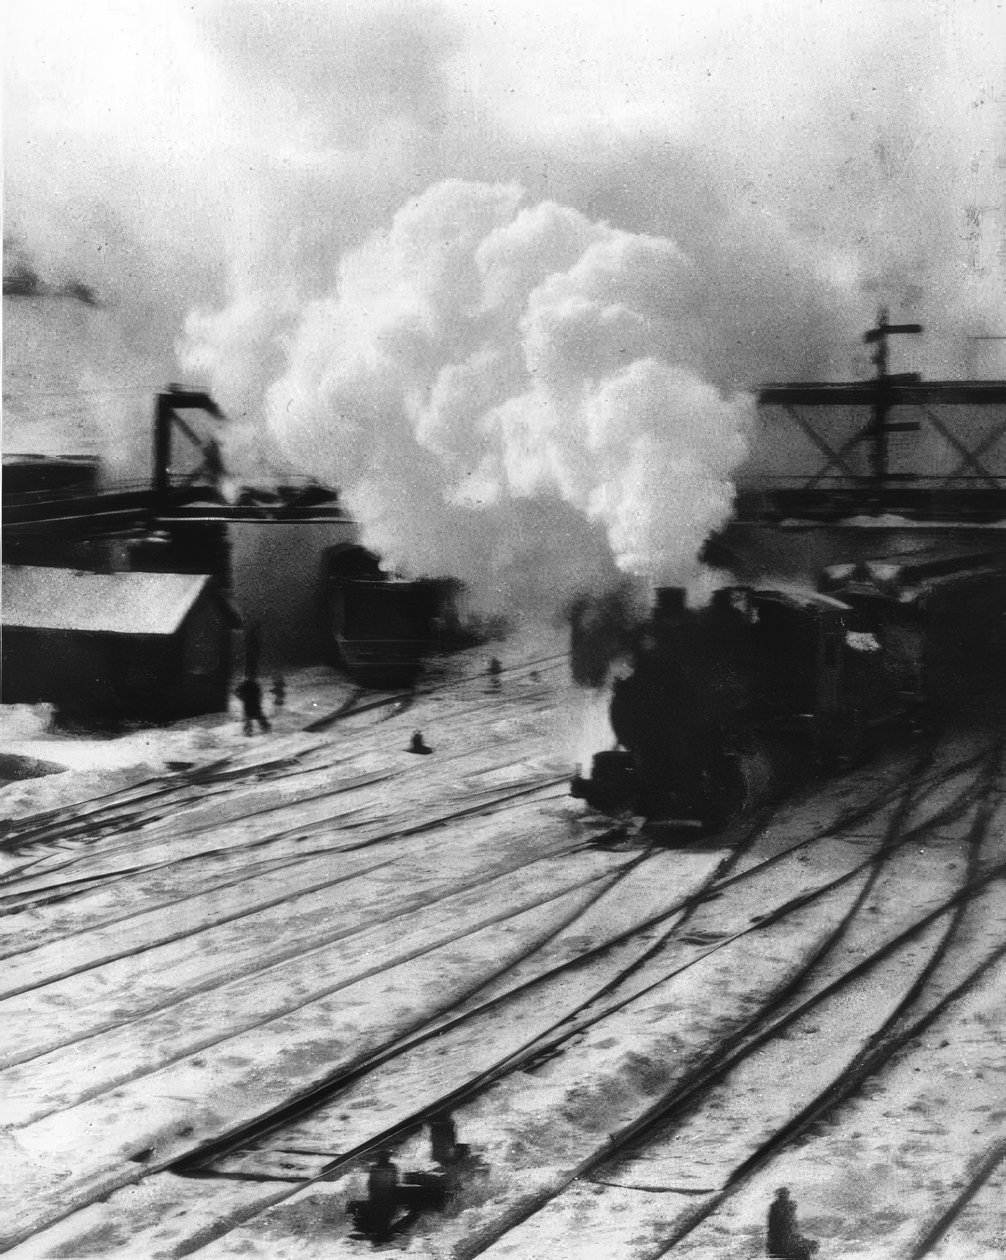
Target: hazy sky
{"x":476,"y":254}
{"x":187,"y":139}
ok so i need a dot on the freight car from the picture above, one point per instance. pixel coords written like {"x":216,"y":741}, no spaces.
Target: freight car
{"x":726,"y":705}
{"x":379,"y":627}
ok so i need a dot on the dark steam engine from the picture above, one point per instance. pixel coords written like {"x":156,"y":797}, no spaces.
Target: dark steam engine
{"x":728,"y":704}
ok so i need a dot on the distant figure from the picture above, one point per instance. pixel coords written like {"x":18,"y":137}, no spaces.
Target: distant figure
{"x":279,"y":691}
{"x":495,"y":669}
{"x":250,"y":695}
{"x":784,"y":1240}
{"x":418,"y":745}
{"x":443,"y":1138}
{"x":213,"y":460}
{"x":382,"y":1192}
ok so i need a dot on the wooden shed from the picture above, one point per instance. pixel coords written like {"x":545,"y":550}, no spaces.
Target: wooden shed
{"x":153,"y":646}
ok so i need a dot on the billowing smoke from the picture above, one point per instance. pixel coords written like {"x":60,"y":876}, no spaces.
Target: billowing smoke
{"x":505,"y":276}
{"x":512,"y":395}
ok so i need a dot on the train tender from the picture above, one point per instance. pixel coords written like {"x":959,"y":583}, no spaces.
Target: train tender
{"x":726,"y":705}
{"x":380,"y":628}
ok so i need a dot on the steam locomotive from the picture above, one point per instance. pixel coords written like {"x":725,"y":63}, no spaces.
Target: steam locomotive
{"x":726,"y":705}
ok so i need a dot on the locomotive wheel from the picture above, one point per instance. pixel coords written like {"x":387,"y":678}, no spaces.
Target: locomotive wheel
{"x":748,"y":778}
{"x":724,"y":788}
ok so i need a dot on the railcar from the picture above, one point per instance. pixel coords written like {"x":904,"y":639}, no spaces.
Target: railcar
{"x":380,"y":628}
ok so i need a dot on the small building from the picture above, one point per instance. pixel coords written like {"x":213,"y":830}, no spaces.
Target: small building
{"x":154,"y":646}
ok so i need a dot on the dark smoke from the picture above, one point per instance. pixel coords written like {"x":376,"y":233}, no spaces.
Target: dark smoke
{"x":603,"y":630}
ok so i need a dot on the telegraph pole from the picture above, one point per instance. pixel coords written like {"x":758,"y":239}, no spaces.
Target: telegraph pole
{"x":879,"y":428}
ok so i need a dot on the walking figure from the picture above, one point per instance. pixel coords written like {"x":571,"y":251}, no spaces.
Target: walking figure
{"x":250,"y":695}
{"x":784,"y":1240}
{"x":279,"y":691}
{"x":443,"y":1138}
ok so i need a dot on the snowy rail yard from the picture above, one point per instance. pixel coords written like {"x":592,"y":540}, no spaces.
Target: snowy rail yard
{"x":503,"y":682}
{"x":227,"y":986}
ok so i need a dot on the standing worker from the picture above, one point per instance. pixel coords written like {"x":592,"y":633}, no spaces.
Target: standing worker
{"x":443,"y":1138}
{"x":250,"y":695}
{"x":382,"y":1191}
{"x":784,"y":1240}
{"x":279,"y":691}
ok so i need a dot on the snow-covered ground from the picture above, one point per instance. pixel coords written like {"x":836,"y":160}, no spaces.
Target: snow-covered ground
{"x":221,"y":947}
{"x":104,"y":763}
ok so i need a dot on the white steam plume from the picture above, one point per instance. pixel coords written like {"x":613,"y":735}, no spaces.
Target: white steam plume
{"x":233,"y":156}
{"x":513,"y":396}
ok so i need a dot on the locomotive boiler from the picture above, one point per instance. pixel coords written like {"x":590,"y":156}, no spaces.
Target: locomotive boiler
{"x":726,"y":705}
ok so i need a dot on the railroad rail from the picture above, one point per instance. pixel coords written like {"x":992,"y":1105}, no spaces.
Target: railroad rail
{"x":634,"y":961}
{"x":705,"y":1079}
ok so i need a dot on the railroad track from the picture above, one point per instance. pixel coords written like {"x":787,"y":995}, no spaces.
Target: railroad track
{"x":681,"y":911}
{"x":32,"y":894}
{"x":935,"y":1231}
{"x":93,"y":817}
{"x":924,"y":781}
{"x":853,"y":817}
{"x":919,"y":1005}
{"x":63,"y":877}
{"x":51,"y":969}
{"x":526,"y":943}
{"x":837,"y":1090}
{"x":347,"y":1158}
{"x":89,"y":816}
{"x":916,"y":1010}
{"x":20,"y":888}
{"x":130,"y":822}
{"x":364,"y":701}
{"x":58,"y":878}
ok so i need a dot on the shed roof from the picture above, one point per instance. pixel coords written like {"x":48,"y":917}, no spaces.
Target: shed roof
{"x":36,"y":598}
